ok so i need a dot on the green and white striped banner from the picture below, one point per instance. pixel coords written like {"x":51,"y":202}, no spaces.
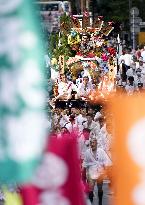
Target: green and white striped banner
{"x":22,"y":91}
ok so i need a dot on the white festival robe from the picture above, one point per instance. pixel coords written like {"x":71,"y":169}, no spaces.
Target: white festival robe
{"x":95,"y":165}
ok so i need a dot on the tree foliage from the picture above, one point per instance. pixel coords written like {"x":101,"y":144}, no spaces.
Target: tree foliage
{"x":59,"y":42}
{"x":117,"y":10}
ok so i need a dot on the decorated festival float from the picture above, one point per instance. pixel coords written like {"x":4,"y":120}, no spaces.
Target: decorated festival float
{"x":84,"y":49}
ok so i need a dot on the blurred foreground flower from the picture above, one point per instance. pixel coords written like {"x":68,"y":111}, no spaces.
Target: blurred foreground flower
{"x":129,"y":152}
{"x":58,"y":179}
{"x":22,"y":96}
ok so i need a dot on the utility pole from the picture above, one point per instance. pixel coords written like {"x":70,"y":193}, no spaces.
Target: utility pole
{"x":133,"y":33}
{"x":87,"y":4}
{"x":118,"y":52}
{"x":93,"y":5}
{"x":135,"y":24}
{"x":82,"y":6}
{"x":129,"y":7}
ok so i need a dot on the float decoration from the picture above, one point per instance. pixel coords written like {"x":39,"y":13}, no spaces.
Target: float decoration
{"x":98,"y":23}
{"x":86,"y":20}
{"x":85,"y":41}
{"x":75,"y":22}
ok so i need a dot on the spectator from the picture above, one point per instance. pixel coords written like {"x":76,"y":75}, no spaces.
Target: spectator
{"x":143,"y":54}
{"x":64,"y":89}
{"x":91,"y":124}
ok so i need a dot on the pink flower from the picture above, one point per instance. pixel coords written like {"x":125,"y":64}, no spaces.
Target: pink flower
{"x":104,"y":57}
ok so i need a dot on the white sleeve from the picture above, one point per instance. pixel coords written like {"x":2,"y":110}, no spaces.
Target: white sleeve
{"x":60,"y":90}
{"x":128,"y":72}
{"x":120,"y":59}
{"x":100,"y":86}
{"x":79,"y":90}
{"x":105,"y":159}
{"x":90,"y":86}
{"x":98,"y":114}
{"x":85,"y":124}
{"x":86,"y":160}
{"x":137,"y":65}
{"x":70,"y":88}
{"x":65,"y":118}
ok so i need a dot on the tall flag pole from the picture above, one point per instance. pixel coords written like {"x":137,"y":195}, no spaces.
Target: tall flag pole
{"x":22,"y":92}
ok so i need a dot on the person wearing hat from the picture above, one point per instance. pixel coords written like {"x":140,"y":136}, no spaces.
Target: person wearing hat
{"x":95,"y":163}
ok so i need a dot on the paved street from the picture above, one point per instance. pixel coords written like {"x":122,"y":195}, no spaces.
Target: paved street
{"x":106,"y":196}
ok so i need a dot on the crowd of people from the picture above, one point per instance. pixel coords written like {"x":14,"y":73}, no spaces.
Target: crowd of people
{"x":72,"y":110}
{"x":93,"y":138}
{"x":128,"y":73}
{"x":131,"y":75}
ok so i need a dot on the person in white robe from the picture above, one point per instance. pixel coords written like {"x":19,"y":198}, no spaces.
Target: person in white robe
{"x":95,"y":162}
{"x":64,"y":89}
{"x":72,"y":125}
{"x":91,"y":124}
{"x":84,"y":142}
{"x":81,"y":119}
{"x":85,"y":88}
